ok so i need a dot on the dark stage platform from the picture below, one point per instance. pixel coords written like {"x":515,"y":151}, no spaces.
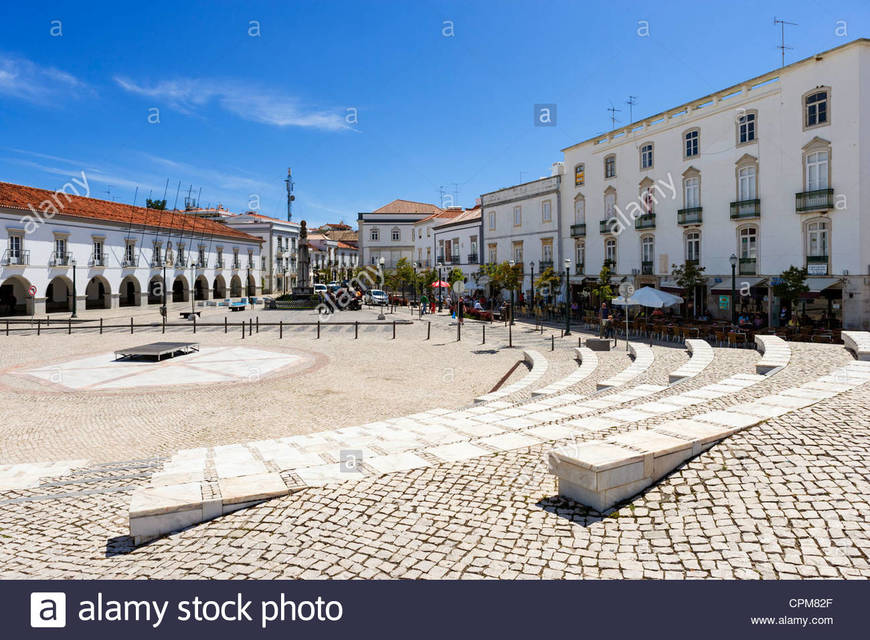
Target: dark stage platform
{"x":157,"y":349}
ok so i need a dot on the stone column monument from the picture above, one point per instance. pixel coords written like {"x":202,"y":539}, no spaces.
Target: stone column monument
{"x":302,"y":288}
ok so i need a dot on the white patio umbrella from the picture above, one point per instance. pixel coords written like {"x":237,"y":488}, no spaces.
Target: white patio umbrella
{"x":649,"y":297}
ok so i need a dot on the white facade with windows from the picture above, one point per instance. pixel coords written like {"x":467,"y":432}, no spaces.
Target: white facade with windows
{"x":524,"y":224}
{"x":107,"y":255}
{"x":768,"y":170}
{"x":459,"y":238}
{"x":389,"y":232}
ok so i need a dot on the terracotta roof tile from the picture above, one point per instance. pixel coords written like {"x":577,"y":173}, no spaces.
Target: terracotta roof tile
{"x":14,"y":196}
{"x":408,"y":206}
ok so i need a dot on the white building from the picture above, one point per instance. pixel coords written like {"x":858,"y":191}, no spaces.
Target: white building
{"x":769,"y":170}
{"x":389,"y":232}
{"x":457,"y":243}
{"x":523,"y":224}
{"x":113,"y":254}
{"x":280,"y":246}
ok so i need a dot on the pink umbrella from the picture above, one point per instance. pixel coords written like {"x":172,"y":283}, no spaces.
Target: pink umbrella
{"x":440,"y":284}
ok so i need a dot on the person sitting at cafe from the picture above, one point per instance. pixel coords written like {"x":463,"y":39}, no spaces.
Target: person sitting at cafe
{"x":758,"y":321}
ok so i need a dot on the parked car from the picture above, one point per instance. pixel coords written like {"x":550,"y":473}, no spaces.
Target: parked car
{"x":376,"y":296}
{"x":320,"y":288}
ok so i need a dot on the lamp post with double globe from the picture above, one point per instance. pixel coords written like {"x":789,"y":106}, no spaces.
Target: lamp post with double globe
{"x":733,"y":261}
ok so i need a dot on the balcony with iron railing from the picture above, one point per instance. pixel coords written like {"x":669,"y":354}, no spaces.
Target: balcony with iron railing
{"x":219,"y":263}
{"x":16,"y":258}
{"x":59,"y":259}
{"x":748,"y":266}
{"x":746,"y":209}
{"x":129,"y":262}
{"x":646,"y":221}
{"x":236,"y":264}
{"x":692,"y":215}
{"x":646,"y":267}
{"x":472,"y":258}
{"x":158,"y":262}
{"x":545,"y":264}
{"x":692,"y":261}
{"x":579,"y":269}
{"x":604,"y":225}
{"x":817,"y":200}
{"x":97,"y":260}
{"x":814,"y":262}
{"x":202,"y":263}
{"x":578,"y":230}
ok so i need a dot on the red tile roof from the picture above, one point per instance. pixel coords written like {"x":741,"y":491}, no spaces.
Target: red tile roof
{"x":15,"y":196}
{"x":345,"y":245}
{"x":408,"y":206}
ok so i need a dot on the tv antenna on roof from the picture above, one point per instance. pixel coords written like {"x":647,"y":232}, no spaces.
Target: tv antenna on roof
{"x":782,"y":46}
{"x":613,"y":111}
{"x":632,"y":100}
{"x":290,"y":197}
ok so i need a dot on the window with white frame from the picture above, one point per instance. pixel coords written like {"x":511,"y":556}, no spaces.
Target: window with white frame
{"x":746,"y":125}
{"x":547,"y":249}
{"x":375,"y":234}
{"x":395,"y":234}
{"x":817,"y":170}
{"x":746,"y":184}
{"x":749,"y":243}
{"x":693,"y":246}
{"x":610,"y":250}
{"x":648,"y":200}
{"x":98,"y":253}
{"x":518,"y":216}
{"x":609,"y":205}
{"x":580,"y":210}
{"x":692,"y":192}
{"x":59,"y":248}
{"x":201,"y":259}
{"x":492,"y":220}
{"x":816,"y":108}
{"x":546,"y":211}
{"x":692,"y":143}
{"x":817,"y":239}
{"x":580,"y":251}
{"x":610,"y":166}
{"x":492,"y":250}
{"x":518,"y":252}
{"x":15,"y":244}
{"x":647,"y":249}
{"x":130,"y":253}
{"x":157,"y":252}
{"x":646,"y":156}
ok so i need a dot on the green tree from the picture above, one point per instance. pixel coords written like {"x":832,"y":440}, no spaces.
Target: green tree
{"x":503,"y":275}
{"x":548,"y":282}
{"x":792,"y":283}
{"x":455,"y":276}
{"x":602,"y":288}
{"x":689,"y":276}
{"x":155,"y":204}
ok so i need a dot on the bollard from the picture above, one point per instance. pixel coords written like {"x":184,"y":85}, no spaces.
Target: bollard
{"x":561,"y":333}
{"x":250,"y":326}
{"x":164,"y":324}
{"x":458,"y":331}
{"x":318,"y":329}
{"x":38,"y":325}
{"x":280,"y":329}
{"x":131,"y":325}
{"x":243,"y":329}
{"x":69,"y":327}
{"x":579,"y":341}
{"x":258,"y":324}
{"x":510,"y":336}
{"x":194,"y":323}
{"x":101,"y":326}
{"x":552,"y":342}
{"x":7,"y":327}
{"x":355,"y":329}
{"x":484,"y":333}
{"x":428,"y":329}
{"x":394,"y":329}
{"x":225,"y":324}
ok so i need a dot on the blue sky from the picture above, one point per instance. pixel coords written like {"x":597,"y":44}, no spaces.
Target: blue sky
{"x":443,"y":92}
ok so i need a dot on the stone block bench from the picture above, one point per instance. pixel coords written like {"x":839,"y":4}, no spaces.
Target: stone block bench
{"x":858,"y":342}
{"x":701,"y":356}
{"x":775,"y":353}
{"x":588,"y":363}
{"x":643,"y":358}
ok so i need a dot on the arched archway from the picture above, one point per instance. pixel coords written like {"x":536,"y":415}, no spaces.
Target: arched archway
{"x":235,"y":287}
{"x":98,"y":294}
{"x":14,"y":299}
{"x":252,"y":286}
{"x":200,"y":288}
{"x":219,"y":290}
{"x":58,"y":295}
{"x":129,"y":292}
{"x":155,"y":290}
{"x":180,"y":290}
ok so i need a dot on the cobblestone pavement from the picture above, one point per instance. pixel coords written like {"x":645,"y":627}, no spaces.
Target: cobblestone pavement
{"x":785,"y":499}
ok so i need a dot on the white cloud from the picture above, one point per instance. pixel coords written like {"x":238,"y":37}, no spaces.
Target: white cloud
{"x":190,"y":95}
{"x":21,"y":78}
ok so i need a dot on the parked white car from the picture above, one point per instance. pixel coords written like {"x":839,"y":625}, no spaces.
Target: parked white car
{"x":376,"y":296}
{"x":320,"y":288}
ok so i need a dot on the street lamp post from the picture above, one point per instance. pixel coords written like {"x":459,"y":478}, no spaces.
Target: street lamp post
{"x":568,"y":297}
{"x":163,"y":292}
{"x":440,"y":290}
{"x":532,"y":282}
{"x":733,"y":261}
{"x":192,"y":285}
{"x":73,"y":263}
{"x":381,"y":316}
{"x":415,"y":284}
{"x":514,"y":286}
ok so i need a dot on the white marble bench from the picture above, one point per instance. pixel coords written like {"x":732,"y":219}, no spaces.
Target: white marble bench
{"x":643,"y":358}
{"x":538,"y":367}
{"x":775,"y":353}
{"x":701,"y":356}
{"x":858,"y":342}
{"x":588,"y":363}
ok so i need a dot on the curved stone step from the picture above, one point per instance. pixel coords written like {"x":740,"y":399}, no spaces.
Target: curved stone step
{"x":701,"y":356}
{"x":858,"y":342}
{"x":588,"y":363}
{"x":538,"y":365}
{"x":643,"y":358}
{"x":775,"y":353}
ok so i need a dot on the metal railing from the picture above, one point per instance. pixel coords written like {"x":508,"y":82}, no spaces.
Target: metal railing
{"x":747,"y":266}
{"x":646,"y":267}
{"x":11,"y":258}
{"x":129,"y":262}
{"x":646,"y":221}
{"x":692,"y":215}
{"x":472,"y":258}
{"x":97,"y":260}
{"x":59,"y":259}
{"x":578,"y":230}
{"x":604,"y":225}
{"x":746,"y":209}
{"x":545,"y":264}
{"x":817,"y":200}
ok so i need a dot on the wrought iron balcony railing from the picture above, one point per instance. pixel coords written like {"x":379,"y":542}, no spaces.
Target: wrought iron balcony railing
{"x":97,"y":260}
{"x":16,"y":258}
{"x":59,"y":259}
{"x":692,"y":215}
{"x":646,"y":221}
{"x":817,"y":200}
{"x":578,"y":230}
{"x":746,"y":209}
{"x":748,"y":266}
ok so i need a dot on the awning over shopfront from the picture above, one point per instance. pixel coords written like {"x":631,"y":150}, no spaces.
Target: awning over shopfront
{"x":718,"y":284}
{"x":817,"y":285}
{"x":670,"y":285}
